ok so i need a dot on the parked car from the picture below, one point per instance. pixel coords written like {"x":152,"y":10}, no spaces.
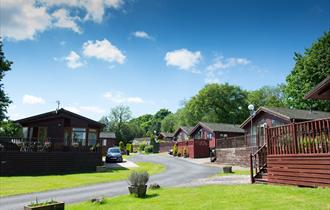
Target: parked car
{"x":114,"y":155}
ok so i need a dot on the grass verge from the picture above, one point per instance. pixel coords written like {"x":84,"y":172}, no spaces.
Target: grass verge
{"x":14,"y":185}
{"x":219,"y":197}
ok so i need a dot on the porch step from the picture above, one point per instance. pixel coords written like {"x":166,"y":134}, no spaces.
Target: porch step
{"x":263,"y":180}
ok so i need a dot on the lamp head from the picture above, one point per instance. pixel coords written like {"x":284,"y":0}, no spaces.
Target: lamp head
{"x":251,"y":107}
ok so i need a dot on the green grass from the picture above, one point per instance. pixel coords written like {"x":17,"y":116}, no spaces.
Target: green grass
{"x":236,"y":172}
{"x":26,"y":184}
{"x":219,"y":197}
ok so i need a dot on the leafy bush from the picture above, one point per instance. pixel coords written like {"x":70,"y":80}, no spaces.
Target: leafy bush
{"x":141,"y":147}
{"x":138,"y":178}
{"x":149,"y":149}
{"x":129,"y":147}
{"x":121,"y":146}
{"x":175,"y":150}
{"x":179,"y":154}
{"x":185,"y":152}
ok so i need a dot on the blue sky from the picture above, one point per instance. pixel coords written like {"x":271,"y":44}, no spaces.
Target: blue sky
{"x":147,"y":54}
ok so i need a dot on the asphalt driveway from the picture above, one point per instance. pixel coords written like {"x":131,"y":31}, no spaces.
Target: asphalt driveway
{"x":177,"y":172}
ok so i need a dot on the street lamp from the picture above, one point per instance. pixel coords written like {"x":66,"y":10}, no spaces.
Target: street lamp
{"x":252,"y":113}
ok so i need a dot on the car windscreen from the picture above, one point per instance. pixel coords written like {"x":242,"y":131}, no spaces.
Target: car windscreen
{"x":114,"y":150}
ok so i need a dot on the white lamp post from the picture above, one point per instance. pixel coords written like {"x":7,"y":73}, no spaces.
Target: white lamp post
{"x":252,"y":113}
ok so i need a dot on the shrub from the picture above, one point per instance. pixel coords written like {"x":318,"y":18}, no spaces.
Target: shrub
{"x":121,"y":146}
{"x":179,"y":154}
{"x":149,"y":149}
{"x":185,"y":152}
{"x":141,"y":147}
{"x":138,"y":178}
{"x":175,"y":150}
{"x":129,"y":147}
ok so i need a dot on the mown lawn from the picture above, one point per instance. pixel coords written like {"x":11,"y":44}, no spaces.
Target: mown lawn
{"x":26,"y":184}
{"x":219,"y":197}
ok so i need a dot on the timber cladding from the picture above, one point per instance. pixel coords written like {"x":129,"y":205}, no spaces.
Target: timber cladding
{"x":40,"y":163}
{"x":311,"y":170}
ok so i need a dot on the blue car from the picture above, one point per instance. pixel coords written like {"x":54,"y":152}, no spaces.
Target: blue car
{"x":114,"y":155}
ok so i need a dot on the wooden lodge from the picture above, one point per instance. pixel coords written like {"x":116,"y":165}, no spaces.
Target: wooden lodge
{"x":236,"y":150}
{"x":55,"y":142}
{"x":182,"y":133}
{"x":163,"y":136}
{"x":297,"y":153}
{"x":202,"y":137}
{"x":107,"y":139}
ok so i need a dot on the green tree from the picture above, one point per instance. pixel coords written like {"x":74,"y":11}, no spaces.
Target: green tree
{"x":5,"y":66}
{"x":220,"y":103}
{"x":117,"y":122}
{"x":310,"y":69}
{"x":169,"y":123}
{"x":267,"y":96}
{"x":10,"y":129}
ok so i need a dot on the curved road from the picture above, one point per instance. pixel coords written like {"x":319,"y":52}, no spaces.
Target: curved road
{"x":177,"y":172}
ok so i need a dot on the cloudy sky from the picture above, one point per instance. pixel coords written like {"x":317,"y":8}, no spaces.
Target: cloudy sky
{"x":148,"y":54}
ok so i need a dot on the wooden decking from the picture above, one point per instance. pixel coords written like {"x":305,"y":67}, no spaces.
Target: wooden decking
{"x":297,"y":154}
{"x":303,"y":170}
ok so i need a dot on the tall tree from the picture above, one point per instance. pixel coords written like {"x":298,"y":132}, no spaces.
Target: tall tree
{"x":117,"y":122}
{"x":267,"y":96}
{"x":221,"y":103}
{"x":169,"y":123}
{"x":310,"y":69}
{"x":5,"y":66}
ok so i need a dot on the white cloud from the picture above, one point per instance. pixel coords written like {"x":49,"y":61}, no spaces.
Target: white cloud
{"x":73,"y":60}
{"x":103,"y":50}
{"x":94,"y":9}
{"x":62,"y":19}
{"x":183,"y":59}
{"x":24,"y":19}
{"x":119,"y":98}
{"x":30,"y":99}
{"x":142,"y":35}
{"x":221,"y":63}
{"x":21,"y":19}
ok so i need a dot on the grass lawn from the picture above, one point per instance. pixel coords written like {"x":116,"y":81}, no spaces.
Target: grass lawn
{"x":219,"y":197}
{"x":26,"y":184}
{"x":235,"y":172}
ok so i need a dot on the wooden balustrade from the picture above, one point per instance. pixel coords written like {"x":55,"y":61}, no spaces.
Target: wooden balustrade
{"x":299,"y":138}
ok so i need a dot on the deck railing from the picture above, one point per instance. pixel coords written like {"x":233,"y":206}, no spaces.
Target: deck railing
{"x":299,"y":138}
{"x":11,"y":144}
{"x":240,"y":141}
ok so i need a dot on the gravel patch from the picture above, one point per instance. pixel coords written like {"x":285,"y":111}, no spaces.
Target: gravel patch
{"x":223,"y":180}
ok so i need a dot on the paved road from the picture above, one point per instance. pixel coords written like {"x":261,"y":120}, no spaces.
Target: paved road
{"x":177,"y":172}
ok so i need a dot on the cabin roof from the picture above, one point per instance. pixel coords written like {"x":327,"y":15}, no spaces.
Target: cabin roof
{"x":167,"y":135}
{"x":218,"y":127}
{"x":60,"y":113}
{"x":320,"y":91}
{"x":290,"y":114}
{"x":186,"y":129}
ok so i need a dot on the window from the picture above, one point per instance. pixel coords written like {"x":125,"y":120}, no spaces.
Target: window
{"x":92,"y":136}
{"x":209,"y":135}
{"x":66,"y":136}
{"x":78,"y":136}
{"x":42,"y":134}
{"x":104,"y":142}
